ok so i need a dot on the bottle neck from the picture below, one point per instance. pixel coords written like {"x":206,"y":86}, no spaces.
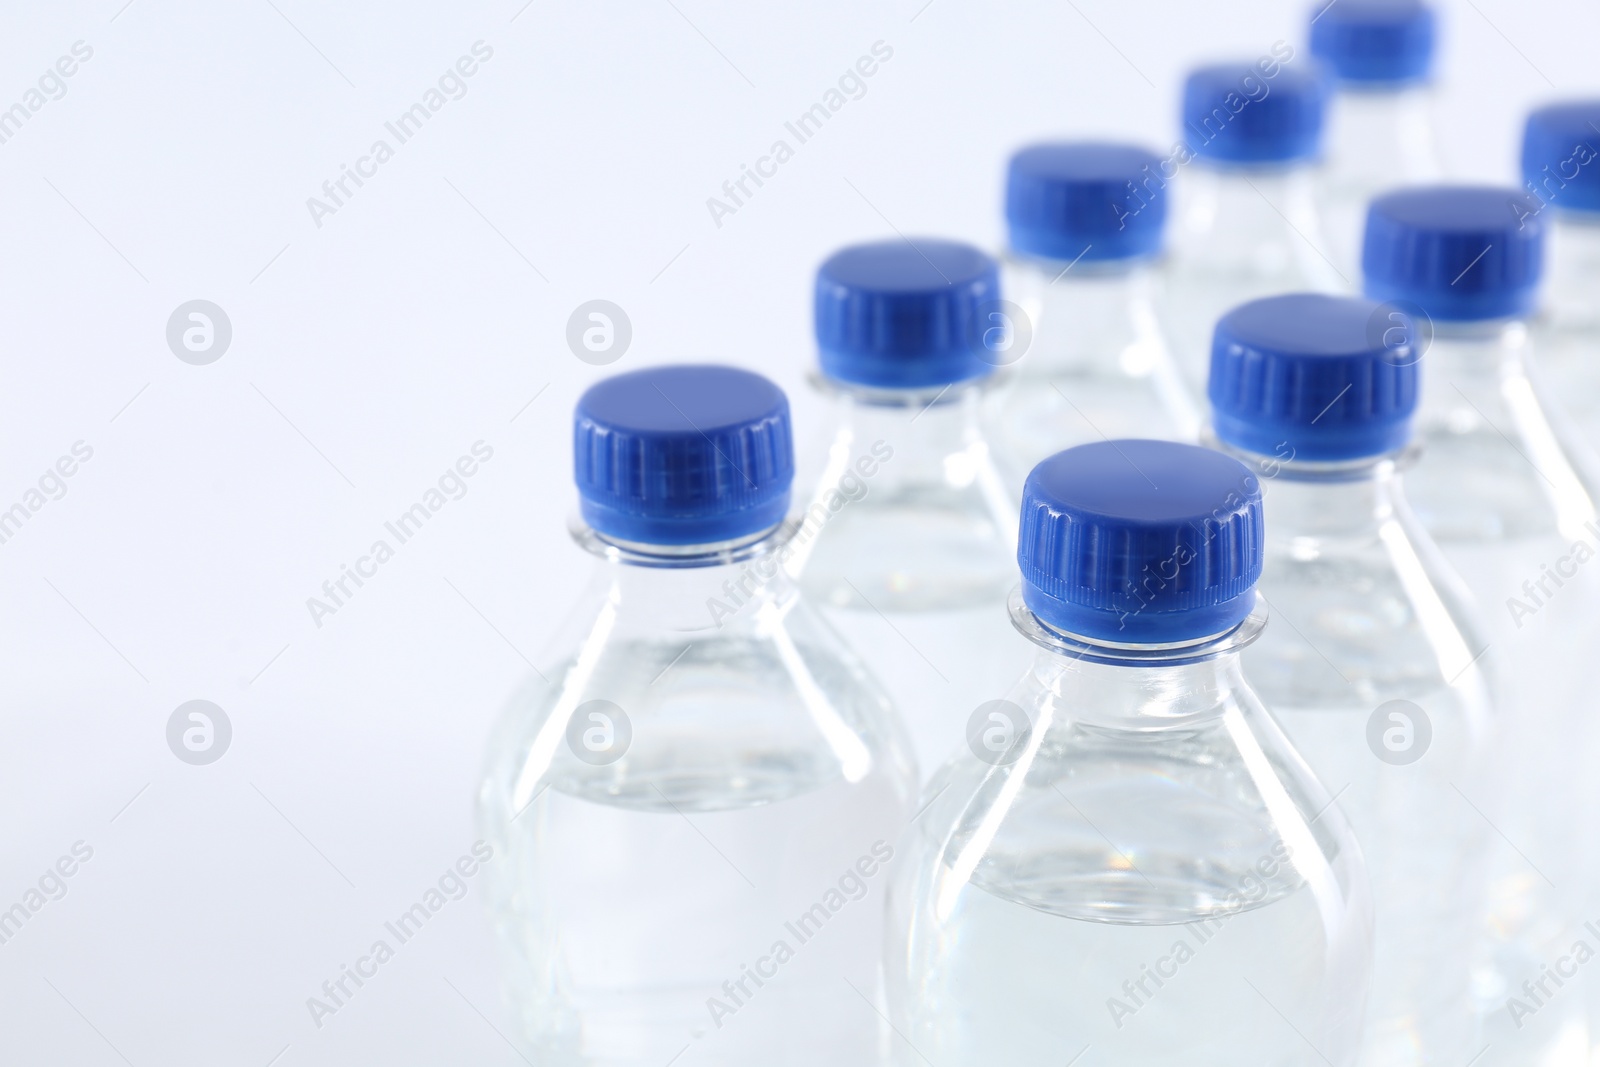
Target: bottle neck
{"x":1116,"y":279}
{"x":1573,"y":269}
{"x":1135,"y":687}
{"x":896,"y":436}
{"x":1226,"y":193}
{"x":1077,"y":307}
{"x":1235,"y":180}
{"x":1381,"y":135}
{"x":692,"y":588}
{"x":905,"y":442}
{"x":1344,"y":499}
{"x":1467,"y":365}
{"x":1476,"y":387}
{"x":1251,"y":221}
{"x":947,"y":408}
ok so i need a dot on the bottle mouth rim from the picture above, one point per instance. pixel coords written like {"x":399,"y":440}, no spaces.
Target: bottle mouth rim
{"x":710,"y":554}
{"x":1353,"y":469}
{"x":1303,"y":163}
{"x":1108,"y":268}
{"x":1382,"y":85}
{"x":911,"y":397}
{"x":1095,"y":650}
{"x":1585,"y":216}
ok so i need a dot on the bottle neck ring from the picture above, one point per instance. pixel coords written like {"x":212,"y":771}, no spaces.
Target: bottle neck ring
{"x":1100,"y":650}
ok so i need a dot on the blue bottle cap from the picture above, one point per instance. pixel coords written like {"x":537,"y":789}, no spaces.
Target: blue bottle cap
{"x":1308,"y":376}
{"x":1375,"y":41}
{"x":1232,"y":113}
{"x":906,"y":314}
{"x":1561,"y":155}
{"x":1459,"y":253}
{"x":683,"y":455}
{"x":1140,"y":542}
{"x":1089,"y":199}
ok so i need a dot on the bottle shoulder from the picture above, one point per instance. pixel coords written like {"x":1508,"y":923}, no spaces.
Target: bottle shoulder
{"x":752,"y":707}
{"x":1490,"y":419}
{"x":1151,"y":825}
{"x":1247,"y":232}
{"x":928,"y":524}
{"x":1366,"y":615}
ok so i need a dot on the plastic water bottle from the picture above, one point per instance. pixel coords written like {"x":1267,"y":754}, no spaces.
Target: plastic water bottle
{"x":1085,"y":222}
{"x":1380,"y":121}
{"x":1510,"y":496}
{"x":695,"y":800}
{"x":1132,"y":866}
{"x":909,"y":513}
{"x":1561,"y":172}
{"x":1373,"y":663}
{"x":1247,"y":222}
{"x":908,"y":537}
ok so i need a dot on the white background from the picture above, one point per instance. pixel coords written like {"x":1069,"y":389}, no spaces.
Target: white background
{"x":372,"y":351}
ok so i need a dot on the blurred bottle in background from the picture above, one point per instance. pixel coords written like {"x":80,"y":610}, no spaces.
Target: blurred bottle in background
{"x":697,"y":794}
{"x":1085,"y":223}
{"x":1247,"y":223}
{"x":1509,"y":494}
{"x":1373,"y":664}
{"x":900,"y":338}
{"x":1132,"y":865}
{"x":1380,"y":54}
{"x":908,"y":535}
{"x":1561,"y":172}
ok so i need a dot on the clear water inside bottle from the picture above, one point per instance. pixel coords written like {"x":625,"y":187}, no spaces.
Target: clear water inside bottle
{"x":1365,"y":613}
{"x":1226,"y":980}
{"x":1509,"y":493}
{"x":1039,"y":909}
{"x":763,"y":773}
{"x":659,"y":912}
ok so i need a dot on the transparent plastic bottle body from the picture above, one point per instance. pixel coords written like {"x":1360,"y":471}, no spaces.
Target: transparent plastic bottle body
{"x":1155,"y":878}
{"x":1242,"y":233}
{"x":929,"y":528}
{"x":639,"y":893}
{"x":909,"y":543}
{"x":1566,"y":335}
{"x":1509,"y":495}
{"x":1098,"y":364}
{"x":1365,"y":612}
{"x":1379,"y":138}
